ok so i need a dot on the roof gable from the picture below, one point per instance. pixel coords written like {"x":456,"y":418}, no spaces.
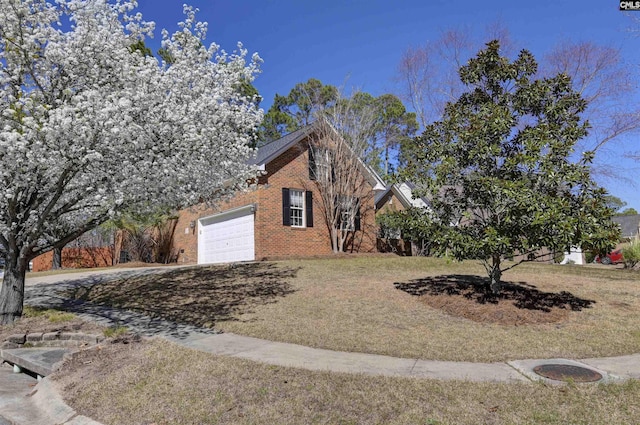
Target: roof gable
{"x":273,"y":150}
{"x":404,"y":193}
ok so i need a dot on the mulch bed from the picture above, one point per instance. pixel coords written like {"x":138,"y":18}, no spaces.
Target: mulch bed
{"x":517,"y":304}
{"x":502,"y":312}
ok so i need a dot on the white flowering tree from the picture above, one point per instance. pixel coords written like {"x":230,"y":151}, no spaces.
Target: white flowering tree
{"x":90,"y":126}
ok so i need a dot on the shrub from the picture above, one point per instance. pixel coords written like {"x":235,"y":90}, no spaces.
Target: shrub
{"x":631,"y":255}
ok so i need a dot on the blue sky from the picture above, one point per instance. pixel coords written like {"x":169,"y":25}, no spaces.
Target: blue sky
{"x":359,"y":43}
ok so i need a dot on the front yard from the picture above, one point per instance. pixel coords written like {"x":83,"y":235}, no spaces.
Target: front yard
{"x":406,"y":307}
{"x":409,"y":307}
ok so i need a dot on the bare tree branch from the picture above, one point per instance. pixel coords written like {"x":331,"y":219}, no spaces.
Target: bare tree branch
{"x":339,"y":147}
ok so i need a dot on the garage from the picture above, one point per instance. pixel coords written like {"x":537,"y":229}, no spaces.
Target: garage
{"x":227,"y":237}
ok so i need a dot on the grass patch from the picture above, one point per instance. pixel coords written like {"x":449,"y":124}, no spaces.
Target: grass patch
{"x":36,"y":320}
{"x":198,"y":296}
{"x":161,"y":383}
{"x":356,"y":304}
{"x":51,"y":315}
{"x":115,"y":331}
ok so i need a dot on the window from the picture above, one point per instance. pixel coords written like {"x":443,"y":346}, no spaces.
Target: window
{"x":346,"y":220}
{"x":320,"y":165}
{"x":349,"y":209}
{"x":296,"y":207}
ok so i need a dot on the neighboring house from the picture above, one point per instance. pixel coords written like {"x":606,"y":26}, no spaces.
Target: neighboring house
{"x":629,"y":226}
{"x":398,"y":197}
{"x":280,"y":216}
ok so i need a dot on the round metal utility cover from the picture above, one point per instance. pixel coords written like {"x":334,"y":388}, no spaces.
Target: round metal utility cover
{"x":564,"y":372}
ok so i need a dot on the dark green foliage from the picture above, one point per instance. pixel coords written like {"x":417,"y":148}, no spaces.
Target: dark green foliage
{"x":294,"y":111}
{"x":395,"y":128}
{"x":166,"y":56}
{"x":413,"y":223}
{"x":499,"y":167}
{"x":141,"y":48}
{"x":392,"y":129}
{"x":628,"y":211}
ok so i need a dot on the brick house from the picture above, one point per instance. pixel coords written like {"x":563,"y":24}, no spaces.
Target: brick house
{"x":398,"y":197}
{"x":280,"y":216}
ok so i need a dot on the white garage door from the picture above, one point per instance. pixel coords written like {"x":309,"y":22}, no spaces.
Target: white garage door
{"x":226,"y":237}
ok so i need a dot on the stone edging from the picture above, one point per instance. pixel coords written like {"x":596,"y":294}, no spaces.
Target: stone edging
{"x":51,"y":339}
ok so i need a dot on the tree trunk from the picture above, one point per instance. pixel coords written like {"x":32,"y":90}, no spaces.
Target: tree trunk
{"x":495,"y":275}
{"x":12,"y":290}
{"x":57,"y":259}
{"x":335,"y":240}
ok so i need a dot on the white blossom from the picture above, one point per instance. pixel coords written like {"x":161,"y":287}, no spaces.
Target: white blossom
{"x":89,"y":128}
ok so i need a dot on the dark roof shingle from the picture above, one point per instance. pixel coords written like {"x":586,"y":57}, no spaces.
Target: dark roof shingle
{"x":267,"y":151}
{"x":629,"y":224}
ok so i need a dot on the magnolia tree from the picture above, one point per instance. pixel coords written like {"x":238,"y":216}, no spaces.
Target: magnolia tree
{"x":499,"y":173}
{"x":91,"y":126}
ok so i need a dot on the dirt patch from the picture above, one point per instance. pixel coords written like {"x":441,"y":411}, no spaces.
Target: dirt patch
{"x":98,"y":360}
{"x":502,"y":312}
{"x":517,"y":304}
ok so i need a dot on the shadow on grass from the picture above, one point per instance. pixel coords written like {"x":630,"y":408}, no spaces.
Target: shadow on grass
{"x":475,"y":288}
{"x":199,"y":296}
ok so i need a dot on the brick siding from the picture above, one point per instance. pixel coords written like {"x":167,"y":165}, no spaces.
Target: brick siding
{"x":272,"y":238}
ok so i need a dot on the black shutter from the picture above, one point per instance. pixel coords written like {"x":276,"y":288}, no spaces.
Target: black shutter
{"x":312,"y":164}
{"x":286,"y":207}
{"x":309,"y":208}
{"x":356,"y":220}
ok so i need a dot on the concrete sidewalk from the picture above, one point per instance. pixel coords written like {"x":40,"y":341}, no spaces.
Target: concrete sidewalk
{"x":298,"y":356}
{"x":46,"y":293}
{"x":25,"y":401}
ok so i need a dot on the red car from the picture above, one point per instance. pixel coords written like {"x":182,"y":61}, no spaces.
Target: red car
{"x":614,"y":257}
